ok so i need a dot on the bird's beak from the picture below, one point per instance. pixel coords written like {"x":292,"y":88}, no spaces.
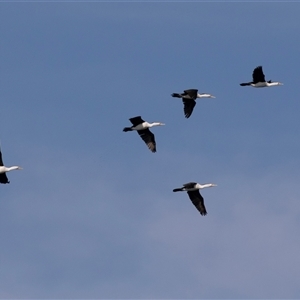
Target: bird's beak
{"x":162,"y":124}
{"x":19,"y":168}
{"x":213,"y":184}
{"x":212,"y":97}
{"x":280,"y":83}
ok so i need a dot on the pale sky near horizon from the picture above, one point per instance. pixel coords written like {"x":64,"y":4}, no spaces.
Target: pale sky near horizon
{"x":92,"y":214}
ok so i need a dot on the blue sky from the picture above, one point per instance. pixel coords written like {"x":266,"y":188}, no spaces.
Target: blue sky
{"x":92,"y":214}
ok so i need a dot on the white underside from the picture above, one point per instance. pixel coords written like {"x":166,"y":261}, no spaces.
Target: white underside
{"x":259,"y":84}
{"x":146,"y":125}
{"x":266,"y":84}
{"x":2,"y":169}
{"x":141,"y":126}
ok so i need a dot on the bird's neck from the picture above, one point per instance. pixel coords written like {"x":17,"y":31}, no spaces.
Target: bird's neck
{"x":11,"y":168}
{"x":202,"y":186}
{"x":203,"y":95}
{"x":153,"y":124}
{"x":273,"y":83}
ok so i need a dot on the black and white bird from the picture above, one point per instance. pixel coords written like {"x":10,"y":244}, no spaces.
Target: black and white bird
{"x":188,"y":98}
{"x":142,"y":129}
{"x":3,"y":170}
{"x":259,"y":79}
{"x":192,"y":188}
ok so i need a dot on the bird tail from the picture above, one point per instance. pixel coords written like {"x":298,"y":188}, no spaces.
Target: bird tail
{"x":127,"y":129}
{"x":178,"y":190}
{"x":176,"y":95}
{"x":245,"y":84}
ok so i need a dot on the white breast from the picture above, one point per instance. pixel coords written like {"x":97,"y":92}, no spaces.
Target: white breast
{"x":259,"y":84}
{"x":2,"y":169}
{"x":141,"y":126}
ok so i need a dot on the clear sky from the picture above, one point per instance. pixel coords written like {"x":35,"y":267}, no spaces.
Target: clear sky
{"x":92,"y":214}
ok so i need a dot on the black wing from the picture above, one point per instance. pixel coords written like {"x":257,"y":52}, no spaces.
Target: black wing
{"x":198,"y":201}
{"x":3,"y":178}
{"x":192,"y":93}
{"x":1,"y":161}
{"x":190,"y":185}
{"x":188,"y":108}
{"x":136,"y":121}
{"x":258,"y":75}
{"x":148,"y":138}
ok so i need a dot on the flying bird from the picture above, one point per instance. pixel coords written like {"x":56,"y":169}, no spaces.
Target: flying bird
{"x":142,"y":129}
{"x":188,"y":98}
{"x":192,"y":188}
{"x":3,"y":170}
{"x":259,"y":79}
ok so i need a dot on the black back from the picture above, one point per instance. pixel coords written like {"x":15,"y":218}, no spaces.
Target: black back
{"x":136,"y":120}
{"x":190,"y":185}
{"x":258,"y":75}
{"x":192,"y":93}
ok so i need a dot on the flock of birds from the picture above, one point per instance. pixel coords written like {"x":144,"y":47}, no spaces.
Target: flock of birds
{"x":189,"y":102}
{"x":142,"y":127}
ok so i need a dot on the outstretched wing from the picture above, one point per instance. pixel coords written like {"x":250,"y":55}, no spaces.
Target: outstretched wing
{"x":1,"y":161}
{"x":198,"y":201}
{"x":192,"y":93}
{"x":258,"y":75}
{"x":136,"y":121}
{"x":3,"y":178}
{"x":148,"y":138}
{"x":188,"y":107}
